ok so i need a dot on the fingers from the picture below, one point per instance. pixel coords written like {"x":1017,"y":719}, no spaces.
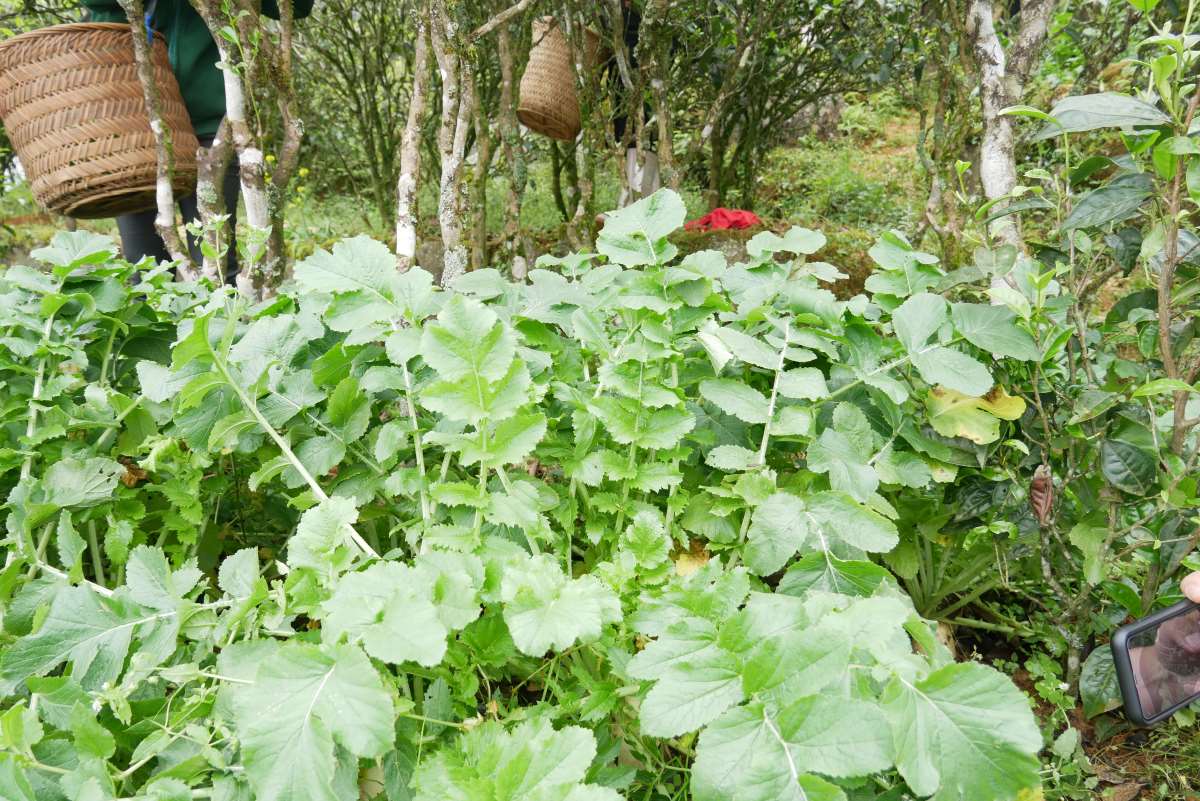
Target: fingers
{"x":1191,"y":587}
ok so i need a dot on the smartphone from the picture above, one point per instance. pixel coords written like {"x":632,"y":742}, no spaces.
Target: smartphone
{"x":1158,"y":663}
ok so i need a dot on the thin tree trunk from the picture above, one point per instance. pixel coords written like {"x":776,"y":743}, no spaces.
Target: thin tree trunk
{"x":457,"y":105}
{"x":164,"y":192}
{"x":1002,"y":79}
{"x":655,"y":47}
{"x":289,"y":146}
{"x":212,"y":164}
{"x":410,"y":157}
{"x":483,"y":163}
{"x":518,"y":244}
{"x":251,"y":162}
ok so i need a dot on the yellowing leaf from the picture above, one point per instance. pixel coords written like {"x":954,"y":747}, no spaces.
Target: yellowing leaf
{"x":953,"y":414}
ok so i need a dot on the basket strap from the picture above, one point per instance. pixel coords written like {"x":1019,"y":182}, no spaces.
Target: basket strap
{"x":150,"y":6}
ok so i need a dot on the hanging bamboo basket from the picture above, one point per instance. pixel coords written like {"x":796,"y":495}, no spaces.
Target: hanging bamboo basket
{"x":548,"y":103}
{"x":73,"y":107}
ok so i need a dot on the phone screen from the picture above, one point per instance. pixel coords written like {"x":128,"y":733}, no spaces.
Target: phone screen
{"x":1166,"y":663}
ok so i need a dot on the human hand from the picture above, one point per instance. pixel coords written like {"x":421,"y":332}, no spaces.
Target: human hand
{"x":1191,"y":587}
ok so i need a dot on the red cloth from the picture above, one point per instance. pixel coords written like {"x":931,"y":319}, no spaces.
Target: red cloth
{"x":720,"y":219}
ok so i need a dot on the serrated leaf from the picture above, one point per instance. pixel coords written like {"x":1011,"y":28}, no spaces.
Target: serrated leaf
{"x":81,"y":482}
{"x":803,"y":383}
{"x":952,"y":369}
{"x":545,"y":610}
{"x":963,"y":732}
{"x":532,"y":761}
{"x":778,"y":528}
{"x":737,"y":399}
{"x":731,"y":458}
{"x":303,"y":700}
{"x":321,"y":540}
{"x":848,"y":471}
{"x":636,"y":235}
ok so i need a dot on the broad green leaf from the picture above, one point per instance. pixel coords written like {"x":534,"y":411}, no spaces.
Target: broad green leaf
{"x":358,"y":264}
{"x":1090,"y":538}
{"x":545,"y":610}
{"x":70,"y":546}
{"x":1128,"y":467}
{"x":778,"y":529}
{"x":81,"y":482}
{"x":953,"y":370}
{"x":731,"y":458}
{"x":691,"y":693}
{"x":953,"y":414}
{"x":748,"y":349}
{"x":531,"y":761}
{"x":797,"y":240}
{"x":636,"y":235}
{"x":390,"y":608}
{"x":91,"y":631}
{"x":238,"y":573}
{"x":825,"y":572}
{"x":834,"y":454}
{"x":322,"y":539}
{"x":1098,"y":686}
{"x":838,"y":518}
{"x":735,"y":398}
{"x":803,"y":383}
{"x":918,"y":318}
{"x":468,"y":341}
{"x":72,"y":249}
{"x":14,"y":786}
{"x":273,"y":341}
{"x":151,"y":581}
{"x":304,"y":699}
{"x":745,"y":756}
{"x":963,"y":733}
{"x":994,"y":329}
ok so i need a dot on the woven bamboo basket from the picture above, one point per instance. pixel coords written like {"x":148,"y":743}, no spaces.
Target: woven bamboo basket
{"x":73,"y":107}
{"x":548,"y":103}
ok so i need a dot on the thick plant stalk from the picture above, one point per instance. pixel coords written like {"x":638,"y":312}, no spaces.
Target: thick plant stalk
{"x":164,"y":192}
{"x":212,"y":163}
{"x":410,"y":156}
{"x":520,"y":248}
{"x":457,"y":103}
{"x":1002,"y":78}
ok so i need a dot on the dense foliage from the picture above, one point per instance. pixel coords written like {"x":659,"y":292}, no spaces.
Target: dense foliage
{"x":608,"y":532}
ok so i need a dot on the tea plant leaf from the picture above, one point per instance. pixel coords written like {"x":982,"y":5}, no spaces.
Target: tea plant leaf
{"x":1128,"y":467}
{"x":994,"y":329}
{"x":963,"y":733}
{"x":1098,"y":686}
{"x":304,"y":699}
{"x":954,"y":414}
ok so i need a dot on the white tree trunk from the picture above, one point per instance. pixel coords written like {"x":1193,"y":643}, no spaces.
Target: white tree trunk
{"x":164,"y":191}
{"x":410,"y":157}
{"x":1002,"y":78}
{"x":457,"y":104}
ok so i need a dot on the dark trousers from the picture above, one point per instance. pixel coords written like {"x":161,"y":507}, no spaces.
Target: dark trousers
{"x":139,"y":238}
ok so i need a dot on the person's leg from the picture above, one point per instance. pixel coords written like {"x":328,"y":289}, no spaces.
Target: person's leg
{"x":139,"y":239}
{"x":233,"y":188}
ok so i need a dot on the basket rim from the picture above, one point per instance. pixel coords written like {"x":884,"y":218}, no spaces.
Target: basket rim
{"x":69,"y":27}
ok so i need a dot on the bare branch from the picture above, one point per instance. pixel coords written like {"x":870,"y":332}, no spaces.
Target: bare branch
{"x":498,"y":20}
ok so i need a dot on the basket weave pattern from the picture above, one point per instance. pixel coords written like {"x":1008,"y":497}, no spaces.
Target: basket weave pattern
{"x":74,"y":110}
{"x":548,"y":103}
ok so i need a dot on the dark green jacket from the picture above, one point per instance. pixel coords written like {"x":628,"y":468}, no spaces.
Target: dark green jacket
{"x":192,"y":51}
